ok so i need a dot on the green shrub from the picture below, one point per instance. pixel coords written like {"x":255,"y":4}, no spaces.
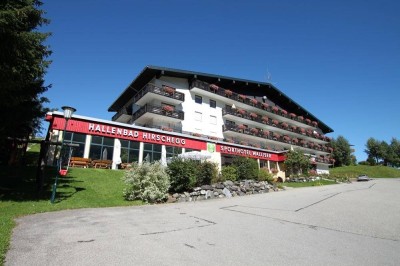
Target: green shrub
{"x":183,"y":174}
{"x":264,"y":175}
{"x":208,"y":172}
{"x":229,"y":173}
{"x":247,"y":168}
{"x":148,"y":182}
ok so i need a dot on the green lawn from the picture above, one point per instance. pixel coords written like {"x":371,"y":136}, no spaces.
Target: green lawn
{"x":372,"y":171}
{"x":81,"y":188}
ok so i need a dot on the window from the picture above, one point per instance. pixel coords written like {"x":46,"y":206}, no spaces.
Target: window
{"x":76,"y":138}
{"x":198,"y":99}
{"x":151,"y":152}
{"x":129,"y":151}
{"x":173,"y":151}
{"x":101,"y":148}
{"x":213,"y":104}
{"x":213,"y":120}
{"x":197,"y":116}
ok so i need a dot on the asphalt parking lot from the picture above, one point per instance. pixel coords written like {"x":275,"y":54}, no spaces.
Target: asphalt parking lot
{"x":346,"y":224}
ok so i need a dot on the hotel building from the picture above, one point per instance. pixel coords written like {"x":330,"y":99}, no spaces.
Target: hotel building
{"x":165,"y":112}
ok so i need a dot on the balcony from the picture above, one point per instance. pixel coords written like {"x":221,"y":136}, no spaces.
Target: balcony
{"x":251,"y":104}
{"x":255,"y":119}
{"x":123,"y":115}
{"x":151,"y":92}
{"x":146,"y":114}
{"x":259,"y":135}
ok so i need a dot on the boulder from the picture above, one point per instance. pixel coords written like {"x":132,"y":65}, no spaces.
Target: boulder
{"x":226,"y":192}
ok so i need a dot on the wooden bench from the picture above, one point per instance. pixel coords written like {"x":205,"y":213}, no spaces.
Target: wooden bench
{"x":106,"y":164}
{"x":80,"y":162}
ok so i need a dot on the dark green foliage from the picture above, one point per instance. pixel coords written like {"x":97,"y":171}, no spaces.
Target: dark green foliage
{"x":183,"y":174}
{"x":229,"y":173}
{"x":22,"y":70}
{"x":246,"y":168}
{"x":380,"y":152}
{"x":341,"y":151}
{"x":265,"y":175}
{"x":208,"y":171}
{"x":297,"y":163}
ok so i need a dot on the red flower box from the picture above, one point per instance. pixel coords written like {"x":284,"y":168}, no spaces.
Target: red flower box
{"x":266,"y":133}
{"x":276,"y":135}
{"x":241,"y":96}
{"x":168,"y":108}
{"x":284,"y":125}
{"x":292,"y":115}
{"x":254,"y":130}
{"x":253,"y":115}
{"x":294,"y":140}
{"x":275,"y":122}
{"x":254,"y":101}
{"x":275,"y":109}
{"x":308,"y":121}
{"x":314,"y":123}
{"x":241,"y":127}
{"x":214,"y":87}
{"x":241,"y":111}
{"x":169,"y":89}
{"x":167,"y":129}
{"x":265,"y":118}
{"x":300,"y":118}
{"x":265,"y":106}
{"x":283,"y":112}
{"x":228,"y":92}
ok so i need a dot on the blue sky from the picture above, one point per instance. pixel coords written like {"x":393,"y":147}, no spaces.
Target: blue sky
{"x":338,"y":59}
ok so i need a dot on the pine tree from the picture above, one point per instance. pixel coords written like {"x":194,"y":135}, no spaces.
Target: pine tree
{"x":23,"y":65}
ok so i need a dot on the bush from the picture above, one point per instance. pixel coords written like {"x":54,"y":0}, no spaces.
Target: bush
{"x":247,"y":168}
{"x":183,"y":174}
{"x":229,"y":173}
{"x":264,"y":175}
{"x":208,"y":172}
{"x":148,"y":182}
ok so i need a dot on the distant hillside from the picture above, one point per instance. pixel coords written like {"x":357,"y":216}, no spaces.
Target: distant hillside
{"x":371,"y":171}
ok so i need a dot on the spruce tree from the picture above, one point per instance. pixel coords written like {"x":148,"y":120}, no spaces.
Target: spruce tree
{"x":23,"y":64}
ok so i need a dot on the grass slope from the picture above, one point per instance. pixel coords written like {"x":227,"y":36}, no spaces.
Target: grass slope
{"x":81,"y":188}
{"x":372,"y":171}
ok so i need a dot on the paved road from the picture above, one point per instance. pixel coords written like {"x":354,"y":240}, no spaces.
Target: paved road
{"x":347,"y":224}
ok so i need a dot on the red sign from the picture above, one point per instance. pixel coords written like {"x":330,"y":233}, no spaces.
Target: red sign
{"x":249,"y":153}
{"x":129,"y":133}
{"x":101,"y":129}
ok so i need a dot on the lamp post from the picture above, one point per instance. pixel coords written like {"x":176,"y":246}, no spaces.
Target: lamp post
{"x":68,"y":111}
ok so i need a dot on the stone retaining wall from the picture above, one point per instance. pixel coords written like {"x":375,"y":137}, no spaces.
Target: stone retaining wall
{"x":225,"y":189}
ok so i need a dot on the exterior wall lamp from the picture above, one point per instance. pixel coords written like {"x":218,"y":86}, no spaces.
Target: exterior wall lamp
{"x":68,"y":112}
